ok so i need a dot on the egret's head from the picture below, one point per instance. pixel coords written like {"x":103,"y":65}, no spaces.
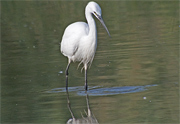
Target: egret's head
{"x":95,"y":9}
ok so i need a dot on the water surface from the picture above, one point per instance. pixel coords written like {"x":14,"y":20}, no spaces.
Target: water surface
{"x":133,"y":78}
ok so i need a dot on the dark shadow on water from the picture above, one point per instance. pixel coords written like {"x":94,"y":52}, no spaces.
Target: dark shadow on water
{"x":102,"y":91}
{"x":88,"y":119}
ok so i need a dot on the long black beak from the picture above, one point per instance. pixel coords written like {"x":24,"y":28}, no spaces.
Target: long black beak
{"x":102,"y":22}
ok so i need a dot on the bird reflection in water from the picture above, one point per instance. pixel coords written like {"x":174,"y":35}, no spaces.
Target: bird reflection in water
{"x":89,"y":119}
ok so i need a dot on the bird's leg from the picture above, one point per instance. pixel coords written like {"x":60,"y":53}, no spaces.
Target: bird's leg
{"x":69,"y":105}
{"x":67,"y":75}
{"x":85,"y":86}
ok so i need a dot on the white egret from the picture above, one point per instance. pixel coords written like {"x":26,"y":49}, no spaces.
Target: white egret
{"x":79,"y":40}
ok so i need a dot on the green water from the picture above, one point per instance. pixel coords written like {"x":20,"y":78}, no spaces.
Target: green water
{"x":134,"y":77}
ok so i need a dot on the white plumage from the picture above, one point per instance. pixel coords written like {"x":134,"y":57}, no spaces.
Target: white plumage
{"x":79,"y":41}
{"x":76,"y":44}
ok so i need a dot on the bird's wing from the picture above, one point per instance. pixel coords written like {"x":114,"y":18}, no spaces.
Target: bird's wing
{"x":72,"y":35}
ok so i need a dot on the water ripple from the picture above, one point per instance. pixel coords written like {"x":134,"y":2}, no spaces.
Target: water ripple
{"x":101,"y":91}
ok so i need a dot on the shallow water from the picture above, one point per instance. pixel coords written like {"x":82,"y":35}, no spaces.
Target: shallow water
{"x":99,"y":91}
{"x":133,"y":78}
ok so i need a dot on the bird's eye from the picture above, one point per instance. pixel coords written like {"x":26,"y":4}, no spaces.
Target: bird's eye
{"x":95,"y":13}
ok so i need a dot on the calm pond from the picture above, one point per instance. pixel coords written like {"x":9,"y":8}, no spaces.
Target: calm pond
{"x":134,"y":77}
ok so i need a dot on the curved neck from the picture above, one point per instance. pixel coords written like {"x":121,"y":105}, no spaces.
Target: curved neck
{"x":91,"y":24}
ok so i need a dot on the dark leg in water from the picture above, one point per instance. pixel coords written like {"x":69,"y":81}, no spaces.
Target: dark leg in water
{"x":86,"y":86}
{"x":69,"y":105}
{"x":67,"y":75}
